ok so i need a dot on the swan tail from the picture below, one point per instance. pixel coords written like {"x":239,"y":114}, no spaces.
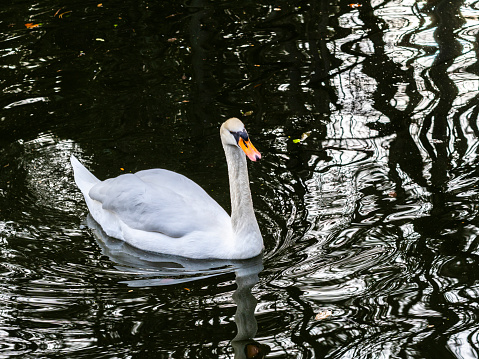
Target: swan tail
{"x":84,"y":179}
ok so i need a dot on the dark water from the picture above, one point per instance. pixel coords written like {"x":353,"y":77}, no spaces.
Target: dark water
{"x":367,"y":194}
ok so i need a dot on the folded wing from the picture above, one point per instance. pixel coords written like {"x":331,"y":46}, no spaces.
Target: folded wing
{"x":160,"y":201}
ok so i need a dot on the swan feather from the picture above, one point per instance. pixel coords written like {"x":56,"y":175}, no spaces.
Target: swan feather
{"x":140,"y":199}
{"x":162,"y":211}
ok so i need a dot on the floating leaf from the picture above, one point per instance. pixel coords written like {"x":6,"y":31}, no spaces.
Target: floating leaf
{"x":253,"y":351}
{"x":305,"y":135}
{"x":99,"y":39}
{"x":248,"y":113}
{"x":180,"y":13}
{"x":31,"y":25}
{"x":323,"y":315}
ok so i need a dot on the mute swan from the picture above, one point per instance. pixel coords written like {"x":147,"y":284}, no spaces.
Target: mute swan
{"x":162,"y":211}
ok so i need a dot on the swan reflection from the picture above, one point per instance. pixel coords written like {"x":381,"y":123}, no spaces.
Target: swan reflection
{"x":154,"y":269}
{"x":243,"y":344}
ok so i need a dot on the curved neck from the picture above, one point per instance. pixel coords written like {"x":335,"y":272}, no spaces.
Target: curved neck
{"x":243,"y":219}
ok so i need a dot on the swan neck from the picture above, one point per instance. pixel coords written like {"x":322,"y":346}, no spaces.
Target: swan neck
{"x":242,"y":212}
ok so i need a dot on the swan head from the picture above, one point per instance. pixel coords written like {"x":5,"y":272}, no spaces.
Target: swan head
{"x":233,"y":133}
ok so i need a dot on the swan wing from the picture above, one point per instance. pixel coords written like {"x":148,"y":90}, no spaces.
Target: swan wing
{"x":160,"y":201}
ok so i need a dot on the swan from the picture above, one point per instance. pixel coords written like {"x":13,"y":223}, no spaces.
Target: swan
{"x":162,"y":211}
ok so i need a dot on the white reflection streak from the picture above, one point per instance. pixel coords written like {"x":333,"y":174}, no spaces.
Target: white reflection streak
{"x":468,"y":86}
{"x":333,"y":189}
{"x":460,"y":345}
{"x":471,"y":153}
{"x":26,"y":102}
{"x":405,"y":21}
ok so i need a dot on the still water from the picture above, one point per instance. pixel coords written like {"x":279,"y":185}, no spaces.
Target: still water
{"x":367,"y":193}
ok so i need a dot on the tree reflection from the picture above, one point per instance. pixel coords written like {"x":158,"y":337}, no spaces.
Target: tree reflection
{"x":366,"y":113}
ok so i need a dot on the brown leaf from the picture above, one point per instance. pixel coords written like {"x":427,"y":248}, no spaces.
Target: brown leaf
{"x":323,"y":315}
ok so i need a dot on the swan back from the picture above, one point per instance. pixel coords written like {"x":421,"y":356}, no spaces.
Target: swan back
{"x":160,"y":201}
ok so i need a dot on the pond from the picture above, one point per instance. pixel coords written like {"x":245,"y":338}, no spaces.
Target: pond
{"x":366,"y":194}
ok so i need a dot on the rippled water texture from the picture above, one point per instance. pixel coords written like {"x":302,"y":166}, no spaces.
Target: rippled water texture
{"x":367,"y":193}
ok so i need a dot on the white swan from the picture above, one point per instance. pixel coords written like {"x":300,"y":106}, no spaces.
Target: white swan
{"x":162,"y":211}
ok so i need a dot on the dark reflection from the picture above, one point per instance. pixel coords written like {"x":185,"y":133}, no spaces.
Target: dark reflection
{"x":366,"y":113}
{"x":243,"y":343}
{"x":154,"y":269}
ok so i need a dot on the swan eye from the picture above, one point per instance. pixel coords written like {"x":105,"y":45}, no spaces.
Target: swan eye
{"x":240,"y":134}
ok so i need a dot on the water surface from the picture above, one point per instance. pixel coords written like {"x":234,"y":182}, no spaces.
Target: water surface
{"x":366,"y":116}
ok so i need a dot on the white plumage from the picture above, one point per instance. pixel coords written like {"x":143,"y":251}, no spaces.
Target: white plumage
{"x":162,"y":211}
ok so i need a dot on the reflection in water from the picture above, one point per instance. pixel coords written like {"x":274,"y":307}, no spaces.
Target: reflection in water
{"x":367,"y":195}
{"x":156,"y":269}
{"x":243,"y":343}
{"x":153,"y":269}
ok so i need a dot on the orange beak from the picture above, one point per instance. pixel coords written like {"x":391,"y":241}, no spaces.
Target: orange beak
{"x":249,"y":149}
